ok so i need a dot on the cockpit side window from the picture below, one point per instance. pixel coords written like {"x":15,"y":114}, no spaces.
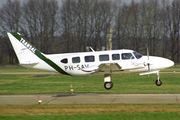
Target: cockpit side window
{"x":65,"y":60}
{"x":126,"y":56}
{"x":137,"y":55}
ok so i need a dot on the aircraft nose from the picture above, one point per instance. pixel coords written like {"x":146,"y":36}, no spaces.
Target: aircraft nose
{"x":170,"y":63}
{"x":167,"y":63}
{"x":160,"y":63}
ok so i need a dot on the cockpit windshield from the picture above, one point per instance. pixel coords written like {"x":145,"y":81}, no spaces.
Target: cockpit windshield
{"x":137,"y":55}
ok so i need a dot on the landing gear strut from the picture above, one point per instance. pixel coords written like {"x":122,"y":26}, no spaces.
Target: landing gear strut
{"x":158,"y":81}
{"x":108,"y":84}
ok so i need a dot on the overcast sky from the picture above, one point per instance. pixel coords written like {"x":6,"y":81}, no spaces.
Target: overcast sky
{"x":4,"y":1}
{"x":126,"y":1}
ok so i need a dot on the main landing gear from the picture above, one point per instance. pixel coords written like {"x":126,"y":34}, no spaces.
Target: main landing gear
{"x":108,"y":84}
{"x":158,"y":82}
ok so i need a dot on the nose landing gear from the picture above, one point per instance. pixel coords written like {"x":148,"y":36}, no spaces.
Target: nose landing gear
{"x":158,"y":82}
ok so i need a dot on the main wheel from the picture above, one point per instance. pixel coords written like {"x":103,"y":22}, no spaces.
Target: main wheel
{"x":108,"y":85}
{"x":158,"y":83}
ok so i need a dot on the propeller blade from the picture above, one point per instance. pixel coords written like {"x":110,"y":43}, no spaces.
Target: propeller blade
{"x":148,"y":64}
{"x":148,"y":67}
{"x":147,"y":54}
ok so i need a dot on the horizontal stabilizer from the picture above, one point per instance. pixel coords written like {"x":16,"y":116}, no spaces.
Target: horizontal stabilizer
{"x":28,"y":64}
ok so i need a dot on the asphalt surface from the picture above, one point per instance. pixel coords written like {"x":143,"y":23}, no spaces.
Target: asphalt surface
{"x":89,"y":99}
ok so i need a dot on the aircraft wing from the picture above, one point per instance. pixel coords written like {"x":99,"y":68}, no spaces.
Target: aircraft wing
{"x":112,"y":67}
{"x":104,"y":67}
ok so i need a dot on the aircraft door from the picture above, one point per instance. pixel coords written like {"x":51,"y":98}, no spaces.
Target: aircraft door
{"x":127,"y":60}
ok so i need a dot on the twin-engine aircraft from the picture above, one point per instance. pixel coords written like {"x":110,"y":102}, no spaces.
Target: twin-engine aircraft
{"x":89,"y":63}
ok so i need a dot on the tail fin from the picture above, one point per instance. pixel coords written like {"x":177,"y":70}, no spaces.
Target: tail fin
{"x":24,"y":50}
{"x":29,"y":56}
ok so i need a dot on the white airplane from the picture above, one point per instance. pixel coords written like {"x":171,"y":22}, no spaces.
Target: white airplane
{"x":89,"y":63}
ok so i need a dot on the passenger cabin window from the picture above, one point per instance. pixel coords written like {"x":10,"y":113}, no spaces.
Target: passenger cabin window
{"x":104,"y":57}
{"x":65,"y":60}
{"x":115,"y":57}
{"x":126,"y":56}
{"x":76,"y":59}
{"x":137,"y":55}
{"x":89,"y":58}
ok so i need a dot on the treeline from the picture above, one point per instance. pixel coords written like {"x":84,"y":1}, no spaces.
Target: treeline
{"x":72,"y":25}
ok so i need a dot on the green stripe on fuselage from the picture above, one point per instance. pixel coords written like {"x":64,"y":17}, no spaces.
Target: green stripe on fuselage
{"x":41,"y":56}
{"x":49,"y":62}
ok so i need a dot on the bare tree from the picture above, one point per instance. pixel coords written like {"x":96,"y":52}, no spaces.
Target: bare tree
{"x":173,"y":24}
{"x":164,"y":29}
{"x":83,"y":23}
{"x":10,"y":15}
{"x":121,"y":26}
{"x":41,"y":21}
{"x":151,"y":24}
{"x":66,"y":25}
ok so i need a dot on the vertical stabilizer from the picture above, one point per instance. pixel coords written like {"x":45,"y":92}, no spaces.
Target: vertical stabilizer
{"x":24,"y":50}
{"x":29,"y":56}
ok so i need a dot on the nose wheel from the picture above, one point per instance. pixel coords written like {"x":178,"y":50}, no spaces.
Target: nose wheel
{"x":158,"y":82}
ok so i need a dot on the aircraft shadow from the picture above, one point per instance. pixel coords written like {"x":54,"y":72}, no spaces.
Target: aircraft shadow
{"x":66,"y":95}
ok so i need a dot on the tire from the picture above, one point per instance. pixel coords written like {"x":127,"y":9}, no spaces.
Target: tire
{"x":108,"y":85}
{"x":158,"y":83}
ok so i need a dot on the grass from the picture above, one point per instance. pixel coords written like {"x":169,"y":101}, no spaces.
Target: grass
{"x":54,"y":84}
{"x":86,"y":109}
{"x":91,"y":112}
{"x":15,"y":68}
{"x":96,"y":116}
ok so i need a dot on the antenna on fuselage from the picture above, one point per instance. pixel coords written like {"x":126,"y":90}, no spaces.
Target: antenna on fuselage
{"x":91,"y":49}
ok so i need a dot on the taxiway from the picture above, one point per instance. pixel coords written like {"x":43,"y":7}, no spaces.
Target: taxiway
{"x":90,"y":99}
